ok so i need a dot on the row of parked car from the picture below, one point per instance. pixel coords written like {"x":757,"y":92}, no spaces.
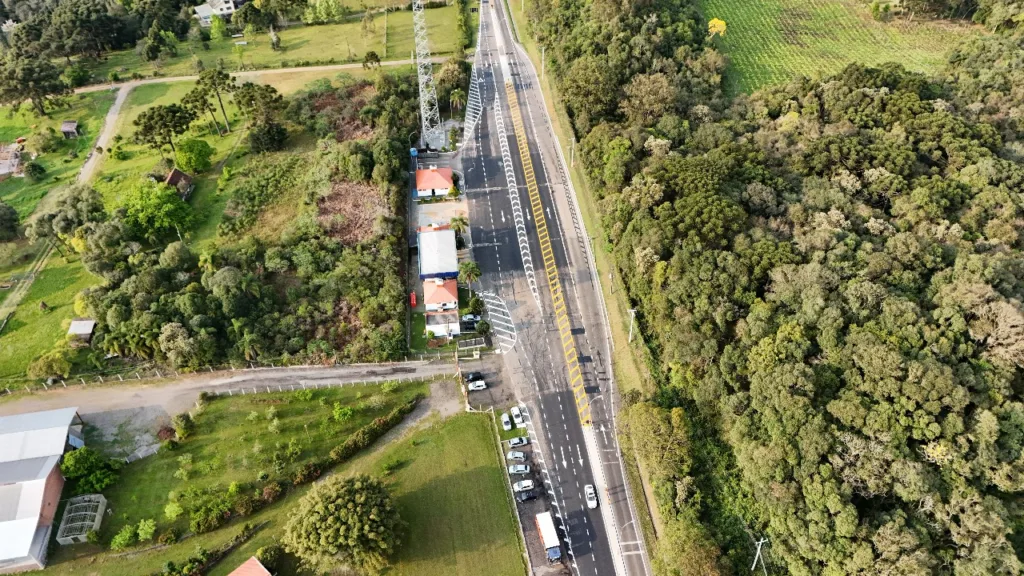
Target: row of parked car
{"x":524,"y":488}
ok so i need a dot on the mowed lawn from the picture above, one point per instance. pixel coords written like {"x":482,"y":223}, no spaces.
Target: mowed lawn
{"x":61,"y":168}
{"x":32,"y":331}
{"x":771,"y":41}
{"x":300,"y":46}
{"x":449,"y":489}
{"x":227,"y":446}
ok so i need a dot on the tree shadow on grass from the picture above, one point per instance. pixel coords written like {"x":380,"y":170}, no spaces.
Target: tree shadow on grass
{"x":445,"y":521}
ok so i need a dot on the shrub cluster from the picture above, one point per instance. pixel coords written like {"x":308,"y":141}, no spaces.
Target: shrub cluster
{"x":367,"y":434}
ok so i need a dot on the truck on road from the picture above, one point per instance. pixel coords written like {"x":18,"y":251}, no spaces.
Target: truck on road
{"x":549,"y":537}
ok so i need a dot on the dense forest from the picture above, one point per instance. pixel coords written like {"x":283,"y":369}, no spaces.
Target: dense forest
{"x":829,"y":278}
{"x":330,"y":288}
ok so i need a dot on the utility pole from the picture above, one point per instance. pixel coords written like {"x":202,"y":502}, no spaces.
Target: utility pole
{"x":632,"y":316}
{"x":542,"y":61}
{"x":572,"y":152}
{"x":757,"y":557}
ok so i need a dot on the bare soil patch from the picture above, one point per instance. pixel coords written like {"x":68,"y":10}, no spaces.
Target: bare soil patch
{"x":351,"y":211}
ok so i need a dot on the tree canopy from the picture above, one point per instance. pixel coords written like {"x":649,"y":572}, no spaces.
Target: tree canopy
{"x":344,"y":523}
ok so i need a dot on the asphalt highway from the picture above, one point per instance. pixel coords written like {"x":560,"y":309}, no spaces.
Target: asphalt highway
{"x":572,"y":455}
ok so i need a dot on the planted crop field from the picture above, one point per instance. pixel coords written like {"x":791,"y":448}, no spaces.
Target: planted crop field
{"x":770,"y":41}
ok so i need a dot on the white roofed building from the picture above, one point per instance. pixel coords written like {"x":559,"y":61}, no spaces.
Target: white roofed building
{"x":438,"y":256}
{"x":206,"y":11}
{"x":31,"y":447}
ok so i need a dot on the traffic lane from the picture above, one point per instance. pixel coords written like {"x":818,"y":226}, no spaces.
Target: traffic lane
{"x":590,"y":351}
{"x":584,"y":528}
{"x":599,"y":372}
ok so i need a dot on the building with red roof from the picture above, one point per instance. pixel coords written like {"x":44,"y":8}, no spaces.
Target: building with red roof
{"x":440,"y":294}
{"x":251,"y":567}
{"x":434,"y":181}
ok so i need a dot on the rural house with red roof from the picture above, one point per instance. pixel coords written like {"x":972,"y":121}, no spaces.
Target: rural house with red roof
{"x":433,"y":181}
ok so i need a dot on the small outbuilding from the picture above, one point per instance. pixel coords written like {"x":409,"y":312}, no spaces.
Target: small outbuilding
{"x":80,"y":332}
{"x":83,"y":514}
{"x":69,"y":128}
{"x":443,"y":324}
{"x":181,"y":182}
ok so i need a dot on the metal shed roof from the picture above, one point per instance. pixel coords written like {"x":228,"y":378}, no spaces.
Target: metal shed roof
{"x":437,"y":254}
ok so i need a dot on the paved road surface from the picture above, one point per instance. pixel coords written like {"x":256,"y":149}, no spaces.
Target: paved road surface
{"x":175,"y":395}
{"x":536,"y":363}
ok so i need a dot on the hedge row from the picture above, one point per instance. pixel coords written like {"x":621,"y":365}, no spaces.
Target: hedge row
{"x":372,"y":431}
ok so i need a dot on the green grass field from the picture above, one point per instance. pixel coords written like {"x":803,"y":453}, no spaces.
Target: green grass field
{"x":449,"y":489}
{"x":771,"y":41}
{"x":88,"y":109}
{"x":32,"y":331}
{"x":301,"y":45}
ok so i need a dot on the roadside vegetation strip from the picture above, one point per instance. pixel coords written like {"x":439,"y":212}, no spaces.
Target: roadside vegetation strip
{"x":772,"y":41}
{"x":570,"y":354}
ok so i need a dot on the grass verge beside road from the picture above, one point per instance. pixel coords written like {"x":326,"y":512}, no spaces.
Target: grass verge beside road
{"x":771,"y":41}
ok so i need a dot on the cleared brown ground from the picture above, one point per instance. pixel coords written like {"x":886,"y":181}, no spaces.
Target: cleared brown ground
{"x":350,"y":212}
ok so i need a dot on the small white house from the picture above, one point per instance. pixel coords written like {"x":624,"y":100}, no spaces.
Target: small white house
{"x":440,"y":294}
{"x":223,"y":8}
{"x":443,"y":324}
{"x":434,"y":181}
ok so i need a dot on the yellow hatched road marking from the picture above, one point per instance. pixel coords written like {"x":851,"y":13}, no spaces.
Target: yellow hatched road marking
{"x":548,"y":254}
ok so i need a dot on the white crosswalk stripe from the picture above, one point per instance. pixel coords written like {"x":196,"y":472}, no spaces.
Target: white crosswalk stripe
{"x":502,"y":328}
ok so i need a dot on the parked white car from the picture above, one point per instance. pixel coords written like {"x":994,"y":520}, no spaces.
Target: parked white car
{"x":470,"y":317}
{"x":506,"y":424}
{"x":591,"y":495}
{"x":515,"y":442}
{"x":522,"y":486}
{"x":518,"y":469}
{"x":517,"y":417}
{"x":517,"y":456}
{"x":477,"y":386}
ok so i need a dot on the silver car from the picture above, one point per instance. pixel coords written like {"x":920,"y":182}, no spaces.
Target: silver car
{"x":518,"y":469}
{"x":517,"y":456}
{"x":506,"y":424}
{"x":477,"y":386}
{"x":517,"y":416}
{"x":514,"y":442}
{"x":591,"y":495}
{"x":522,"y":486}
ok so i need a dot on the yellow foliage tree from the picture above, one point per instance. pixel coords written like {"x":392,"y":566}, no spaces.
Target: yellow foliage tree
{"x":716,"y":26}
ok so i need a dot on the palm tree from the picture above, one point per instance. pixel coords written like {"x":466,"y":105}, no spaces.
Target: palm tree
{"x":457,"y":99}
{"x":469,"y":272}
{"x":459,"y":224}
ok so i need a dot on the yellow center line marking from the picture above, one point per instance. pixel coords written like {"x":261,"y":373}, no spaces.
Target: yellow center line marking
{"x":548,"y":253}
